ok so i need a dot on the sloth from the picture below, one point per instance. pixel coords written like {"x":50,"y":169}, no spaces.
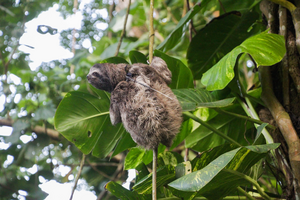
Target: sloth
{"x":141,"y":100}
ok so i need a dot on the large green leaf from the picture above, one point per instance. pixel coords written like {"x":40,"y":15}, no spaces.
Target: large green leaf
{"x":215,"y":177}
{"x":193,"y":182}
{"x":218,"y":38}
{"x":181,"y":75}
{"x":84,"y":120}
{"x":190,"y":99}
{"x":266,"y":49}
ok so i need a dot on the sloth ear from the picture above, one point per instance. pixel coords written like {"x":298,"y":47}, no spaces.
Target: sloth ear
{"x":162,"y":69}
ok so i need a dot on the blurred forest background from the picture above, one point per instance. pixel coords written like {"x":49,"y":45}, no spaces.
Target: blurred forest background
{"x":240,"y":114}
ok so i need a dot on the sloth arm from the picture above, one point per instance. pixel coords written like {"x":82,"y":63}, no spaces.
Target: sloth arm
{"x":117,"y":100}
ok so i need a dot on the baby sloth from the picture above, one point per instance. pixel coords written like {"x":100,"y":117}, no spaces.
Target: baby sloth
{"x":141,"y":99}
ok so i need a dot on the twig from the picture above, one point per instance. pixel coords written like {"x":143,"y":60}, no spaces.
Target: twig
{"x":222,"y":6}
{"x":114,"y":176}
{"x":37,"y":129}
{"x":78,"y":176}
{"x":151,"y":28}
{"x":72,"y":67}
{"x":100,"y":172}
{"x":124,"y":29}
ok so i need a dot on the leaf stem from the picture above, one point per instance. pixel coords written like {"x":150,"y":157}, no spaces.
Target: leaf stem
{"x":249,"y":109}
{"x":243,"y":117}
{"x":245,"y":193}
{"x":250,"y":180}
{"x":190,"y":115}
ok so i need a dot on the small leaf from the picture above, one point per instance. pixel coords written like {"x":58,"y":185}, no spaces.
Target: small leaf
{"x":183,"y":169}
{"x":259,"y":130}
{"x":134,"y":158}
{"x":137,"y":57}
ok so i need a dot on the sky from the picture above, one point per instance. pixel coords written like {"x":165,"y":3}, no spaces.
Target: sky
{"x":47,"y":48}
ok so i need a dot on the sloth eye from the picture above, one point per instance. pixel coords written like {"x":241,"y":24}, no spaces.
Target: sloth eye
{"x":96,"y":74}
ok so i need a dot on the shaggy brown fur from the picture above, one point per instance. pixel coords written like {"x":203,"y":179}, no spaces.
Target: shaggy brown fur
{"x":149,"y":116}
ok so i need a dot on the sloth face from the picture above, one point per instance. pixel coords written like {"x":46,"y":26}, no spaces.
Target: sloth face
{"x":99,"y":77}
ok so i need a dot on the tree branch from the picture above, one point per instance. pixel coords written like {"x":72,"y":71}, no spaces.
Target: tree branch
{"x":78,"y":175}
{"x":151,"y":28}
{"x":279,"y":114}
{"x":124,"y":29}
{"x":72,"y":67}
{"x":37,"y":129}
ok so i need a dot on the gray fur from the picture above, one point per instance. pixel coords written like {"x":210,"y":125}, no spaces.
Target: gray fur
{"x":149,"y":116}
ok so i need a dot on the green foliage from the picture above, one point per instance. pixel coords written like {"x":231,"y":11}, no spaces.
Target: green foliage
{"x":207,"y":74}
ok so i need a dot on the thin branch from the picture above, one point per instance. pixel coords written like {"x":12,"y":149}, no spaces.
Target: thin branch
{"x":222,"y":6}
{"x":154,"y":169}
{"x":151,"y":28}
{"x":37,"y":129}
{"x":72,"y":67}
{"x":100,"y":172}
{"x":114,"y":176}
{"x":78,"y":176}
{"x":110,"y":164}
{"x":124,"y":29}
